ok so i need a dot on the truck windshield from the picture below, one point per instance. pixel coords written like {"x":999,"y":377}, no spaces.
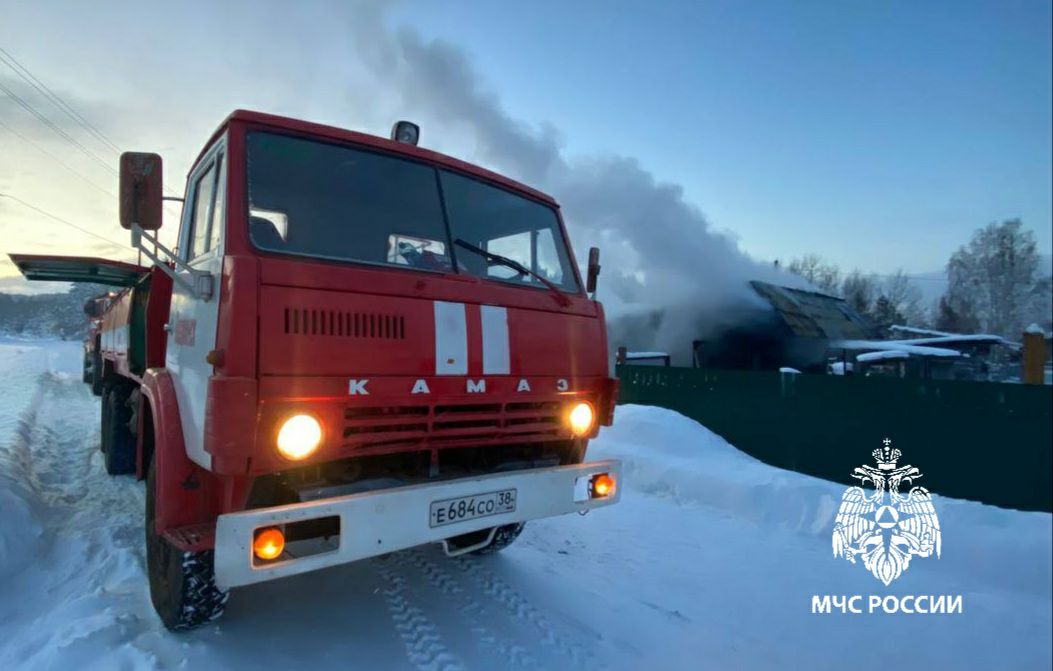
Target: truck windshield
{"x":330,"y":201}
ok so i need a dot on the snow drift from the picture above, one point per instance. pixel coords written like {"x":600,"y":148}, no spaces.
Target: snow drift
{"x":710,"y":560}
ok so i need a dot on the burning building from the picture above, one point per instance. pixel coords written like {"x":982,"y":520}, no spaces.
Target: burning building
{"x":796,"y":331}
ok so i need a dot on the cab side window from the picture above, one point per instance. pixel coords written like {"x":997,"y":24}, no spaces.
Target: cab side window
{"x":204,"y":189}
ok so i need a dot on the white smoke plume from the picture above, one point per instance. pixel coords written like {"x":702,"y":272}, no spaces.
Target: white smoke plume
{"x":659,"y":252}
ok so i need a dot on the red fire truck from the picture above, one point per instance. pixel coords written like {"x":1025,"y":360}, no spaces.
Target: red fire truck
{"x":357,"y":346}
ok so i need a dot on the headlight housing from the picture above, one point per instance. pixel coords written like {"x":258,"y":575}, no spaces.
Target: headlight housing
{"x":582,"y":419}
{"x":299,"y":437}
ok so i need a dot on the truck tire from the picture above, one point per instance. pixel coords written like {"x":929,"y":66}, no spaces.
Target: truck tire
{"x":96,"y":370}
{"x":87,"y":377}
{"x":504,"y":537}
{"x":118,"y":441}
{"x":182,"y":584}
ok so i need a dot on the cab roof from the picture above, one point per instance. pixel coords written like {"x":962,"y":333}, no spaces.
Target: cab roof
{"x":302,"y":127}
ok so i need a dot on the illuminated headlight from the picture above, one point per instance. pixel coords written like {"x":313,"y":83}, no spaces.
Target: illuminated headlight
{"x":581,"y":419}
{"x":299,"y":437}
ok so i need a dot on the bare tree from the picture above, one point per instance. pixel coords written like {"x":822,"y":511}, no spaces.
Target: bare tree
{"x":826,"y":276}
{"x":904,"y":298}
{"x":860,"y":291}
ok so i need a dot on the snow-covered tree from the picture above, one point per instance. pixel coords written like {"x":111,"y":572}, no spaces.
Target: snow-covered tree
{"x":997,"y":277}
{"x":47,"y":314}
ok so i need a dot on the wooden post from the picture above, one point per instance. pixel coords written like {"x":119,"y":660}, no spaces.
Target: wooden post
{"x":1033,"y":359}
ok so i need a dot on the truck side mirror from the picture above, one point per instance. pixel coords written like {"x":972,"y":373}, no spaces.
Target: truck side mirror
{"x":141,"y":190}
{"x":594,"y":270}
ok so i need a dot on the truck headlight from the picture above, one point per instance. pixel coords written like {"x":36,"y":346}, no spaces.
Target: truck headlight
{"x":581,"y":419}
{"x":299,"y":437}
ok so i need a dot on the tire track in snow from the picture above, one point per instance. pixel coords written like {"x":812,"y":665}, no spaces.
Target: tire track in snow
{"x":424,"y":647}
{"x":90,"y":557}
{"x":509,"y":651}
{"x":520,"y":607}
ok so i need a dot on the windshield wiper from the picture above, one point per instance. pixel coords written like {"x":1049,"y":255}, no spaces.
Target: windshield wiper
{"x":497,"y":259}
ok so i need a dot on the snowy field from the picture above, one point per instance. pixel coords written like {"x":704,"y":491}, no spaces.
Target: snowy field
{"x":709,"y":562}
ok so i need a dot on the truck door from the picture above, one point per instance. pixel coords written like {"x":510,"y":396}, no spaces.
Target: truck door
{"x":192,"y":319}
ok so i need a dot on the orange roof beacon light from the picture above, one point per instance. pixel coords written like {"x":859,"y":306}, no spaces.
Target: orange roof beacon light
{"x":602,"y":486}
{"x":268,"y":543}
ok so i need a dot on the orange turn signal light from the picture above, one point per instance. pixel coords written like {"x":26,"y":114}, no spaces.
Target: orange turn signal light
{"x":269,"y":543}
{"x":602,"y":485}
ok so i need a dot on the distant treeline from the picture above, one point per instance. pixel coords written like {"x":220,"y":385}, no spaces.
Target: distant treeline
{"x":50,"y":315}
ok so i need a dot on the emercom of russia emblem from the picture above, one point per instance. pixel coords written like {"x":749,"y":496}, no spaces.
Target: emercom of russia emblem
{"x":884,"y":528}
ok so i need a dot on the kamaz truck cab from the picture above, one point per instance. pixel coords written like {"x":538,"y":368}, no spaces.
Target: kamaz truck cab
{"x":358,"y":346}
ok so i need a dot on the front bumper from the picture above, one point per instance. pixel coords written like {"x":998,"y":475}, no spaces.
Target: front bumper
{"x":378,"y":522}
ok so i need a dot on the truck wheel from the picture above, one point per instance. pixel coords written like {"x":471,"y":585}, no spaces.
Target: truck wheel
{"x":503,"y":537}
{"x":182,"y":584}
{"x":96,"y":371}
{"x":87,"y":376}
{"x":118,"y":442}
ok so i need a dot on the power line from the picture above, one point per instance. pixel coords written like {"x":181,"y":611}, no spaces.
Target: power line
{"x":57,"y":159}
{"x":64,"y":221}
{"x":55,"y":99}
{"x":69,"y":168}
{"x":63,"y":106}
{"x":909,"y":277}
{"x":42,"y":88}
{"x":61,"y":133}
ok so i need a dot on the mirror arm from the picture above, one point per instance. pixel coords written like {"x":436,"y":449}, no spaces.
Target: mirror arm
{"x":202,"y":286}
{"x":175,"y":198}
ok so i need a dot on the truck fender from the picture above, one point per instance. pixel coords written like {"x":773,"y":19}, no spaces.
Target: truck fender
{"x":186,"y":493}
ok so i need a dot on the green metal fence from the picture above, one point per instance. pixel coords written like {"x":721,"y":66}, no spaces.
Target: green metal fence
{"x":983,"y":441}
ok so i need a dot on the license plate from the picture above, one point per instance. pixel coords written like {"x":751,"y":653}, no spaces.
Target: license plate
{"x":451,"y":511}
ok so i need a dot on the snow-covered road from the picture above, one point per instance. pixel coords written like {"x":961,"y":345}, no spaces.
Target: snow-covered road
{"x":709,"y":561}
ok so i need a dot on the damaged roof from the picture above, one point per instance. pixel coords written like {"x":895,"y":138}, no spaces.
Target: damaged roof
{"x":810,"y":314}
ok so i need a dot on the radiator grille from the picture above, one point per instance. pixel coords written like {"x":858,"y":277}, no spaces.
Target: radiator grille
{"x":387,"y":426}
{"x":320,"y":322}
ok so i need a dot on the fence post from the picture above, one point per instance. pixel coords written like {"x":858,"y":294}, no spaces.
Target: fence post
{"x":1033,"y":360}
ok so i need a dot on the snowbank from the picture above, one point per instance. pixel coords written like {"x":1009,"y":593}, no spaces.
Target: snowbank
{"x":20,"y":530}
{"x":20,"y":363}
{"x":709,"y":560}
{"x":667,"y":454}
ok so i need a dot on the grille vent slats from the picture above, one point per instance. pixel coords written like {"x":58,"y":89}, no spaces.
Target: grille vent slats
{"x":372,"y":427}
{"x":312,"y":321}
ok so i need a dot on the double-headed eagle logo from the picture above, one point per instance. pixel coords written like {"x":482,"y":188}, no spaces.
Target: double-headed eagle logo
{"x":886,"y":529}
